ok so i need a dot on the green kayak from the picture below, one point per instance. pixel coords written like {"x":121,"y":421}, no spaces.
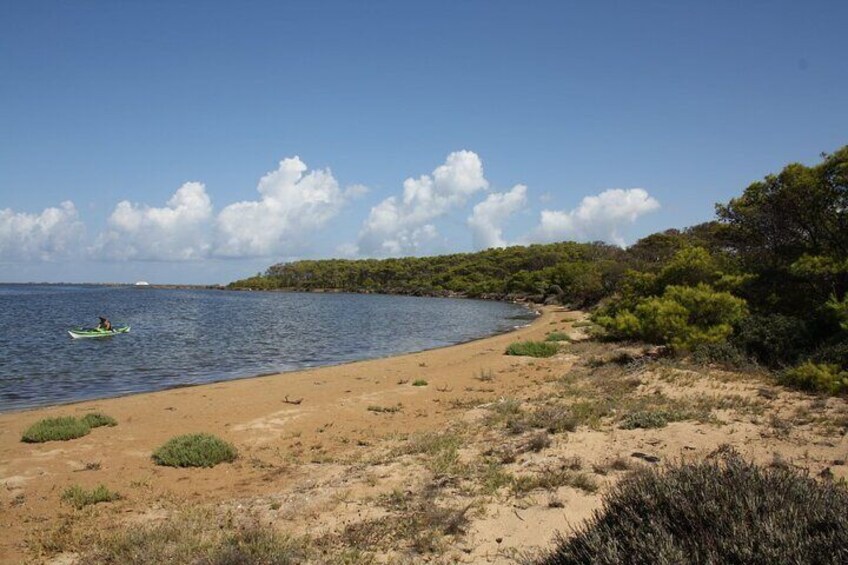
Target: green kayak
{"x":77,"y":333}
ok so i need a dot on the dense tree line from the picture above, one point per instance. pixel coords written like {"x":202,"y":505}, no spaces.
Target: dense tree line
{"x":767,"y":280}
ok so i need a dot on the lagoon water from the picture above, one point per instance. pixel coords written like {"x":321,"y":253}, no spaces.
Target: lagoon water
{"x":182,"y":337}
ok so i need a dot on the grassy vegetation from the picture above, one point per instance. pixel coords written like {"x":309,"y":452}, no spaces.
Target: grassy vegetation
{"x":532,"y":349}
{"x":724,"y":510}
{"x":201,"y":536}
{"x":557,"y":336}
{"x":419,"y":382}
{"x":56,"y":429}
{"x":79,"y":498}
{"x":416,"y":523}
{"x":194,"y":450}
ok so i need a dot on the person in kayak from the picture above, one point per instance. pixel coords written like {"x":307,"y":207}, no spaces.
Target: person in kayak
{"x":104,"y":324}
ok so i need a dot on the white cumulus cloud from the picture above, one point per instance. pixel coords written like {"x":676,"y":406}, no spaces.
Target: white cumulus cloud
{"x":52,"y":234}
{"x":597,"y":217}
{"x":179,"y":231}
{"x":402,"y":225}
{"x":487,"y":217}
{"x":292,"y":204}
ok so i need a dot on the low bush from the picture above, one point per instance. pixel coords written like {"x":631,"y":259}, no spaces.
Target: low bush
{"x":79,"y":498}
{"x":55,"y":429}
{"x":644,"y":419}
{"x":532,"y":349}
{"x":195,"y":450}
{"x":419,"y":382}
{"x":724,"y":354}
{"x":96,"y":419}
{"x":723,"y":510}
{"x":816,"y":377}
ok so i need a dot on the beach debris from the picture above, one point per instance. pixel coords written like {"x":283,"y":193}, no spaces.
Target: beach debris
{"x":645,"y":457}
{"x":292,"y":401}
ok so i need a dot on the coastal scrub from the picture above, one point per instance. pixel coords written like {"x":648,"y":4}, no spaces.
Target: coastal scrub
{"x":723,"y":510}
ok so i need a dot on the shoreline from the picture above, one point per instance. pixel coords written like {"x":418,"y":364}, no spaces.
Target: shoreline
{"x":533,"y":309}
{"x":252,"y":413}
{"x":336,"y":455}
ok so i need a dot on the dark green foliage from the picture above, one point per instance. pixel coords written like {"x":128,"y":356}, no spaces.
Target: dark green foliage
{"x":773,"y":339}
{"x":724,"y":354}
{"x":194,"y":450}
{"x":79,"y":498}
{"x":532,"y":348}
{"x":55,"y":429}
{"x":584,"y":272}
{"x":96,"y":419}
{"x":724,"y":510}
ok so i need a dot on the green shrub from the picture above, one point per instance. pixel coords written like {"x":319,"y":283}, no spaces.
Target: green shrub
{"x":55,"y":429}
{"x":532,"y":349}
{"x":683,"y":317}
{"x":644,"y":419}
{"x":194,"y":450}
{"x":419,"y":382}
{"x":723,"y":510}
{"x":79,"y":498}
{"x":725,"y":354}
{"x":557,"y":336}
{"x":816,"y":377}
{"x":773,"y":339}
{"x":96,"y":419}
{"x":835,"y":352}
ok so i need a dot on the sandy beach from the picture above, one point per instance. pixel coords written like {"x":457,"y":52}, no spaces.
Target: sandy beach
{"x":321,"y":449}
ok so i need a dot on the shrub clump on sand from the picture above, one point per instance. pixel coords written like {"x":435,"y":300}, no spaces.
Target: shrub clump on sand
{"x":55,"y":429}
{"x":723,"y":510}
{"x":65,"y":427}
{"x":194,"y":450}
{"x":96,"y":420}
{"x":816,"y":377}
{"x":79,"y":498}
{"x":644,"y":419}
{"x":532,"y":348}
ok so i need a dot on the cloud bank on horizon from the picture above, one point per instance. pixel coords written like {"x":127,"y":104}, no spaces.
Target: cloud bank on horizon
{"x":294,"y":205}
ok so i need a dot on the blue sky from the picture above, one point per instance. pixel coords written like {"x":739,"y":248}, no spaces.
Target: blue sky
{"x":200,"y":142}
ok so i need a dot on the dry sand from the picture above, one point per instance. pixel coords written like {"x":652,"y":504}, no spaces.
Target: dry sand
{"x":317,"y":467}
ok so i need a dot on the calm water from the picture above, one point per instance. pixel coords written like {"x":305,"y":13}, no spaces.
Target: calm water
{"x":183,"y":337}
